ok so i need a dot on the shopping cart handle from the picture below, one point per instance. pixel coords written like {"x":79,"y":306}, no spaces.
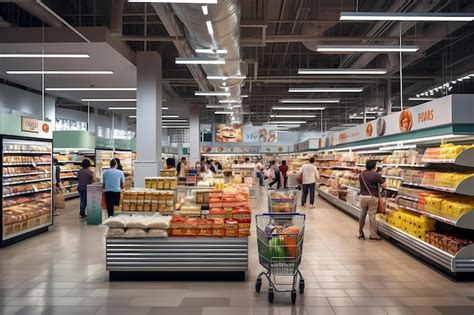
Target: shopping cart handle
{"x":282,"y":214}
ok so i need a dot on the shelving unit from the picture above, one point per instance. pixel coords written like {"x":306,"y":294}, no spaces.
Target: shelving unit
{"x":26,"y":188}
{"x":69,"y":162}
{"x":466,"y":187}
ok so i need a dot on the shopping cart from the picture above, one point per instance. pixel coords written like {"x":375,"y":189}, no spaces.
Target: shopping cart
{"x":282,"y":200}
{"x":280,"y":249}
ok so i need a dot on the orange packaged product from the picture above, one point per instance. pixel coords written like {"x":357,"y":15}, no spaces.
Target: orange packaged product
{"x":204,"y":227}
{"x":218,"y":228}
{"x":191,"y":227}
{"x":177,"y":226}
{"x":216,"y":193}
{"x":231,"y":228}
{"x":244,"y":233}
{"x":216,"y":213}
{"x":242,"y":214}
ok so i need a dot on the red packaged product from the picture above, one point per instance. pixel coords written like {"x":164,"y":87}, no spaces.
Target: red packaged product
{"x":218,"y":228}
{"x":231,"y":228}
{"x":242,"y":214}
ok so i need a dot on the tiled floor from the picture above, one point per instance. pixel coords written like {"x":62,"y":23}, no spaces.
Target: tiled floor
{"x":62,"y":272}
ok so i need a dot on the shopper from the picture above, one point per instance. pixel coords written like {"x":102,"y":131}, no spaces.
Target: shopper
{"x":275,"y":171}
{"x":182,"y":167}
{"x":58,"y":196}
{"x":119,"y":164}
{"x":113,"y":183}
{"x":170,"y":163}
{"x":219,"y":166}
{"x":369,"y":181}
{"x":247,"y":160}
{"x":309,"y":175}
{"x":259,"y":171}
{"x":284,"y":173}
{"x":85,"y":177}
{"x":210,"y":167}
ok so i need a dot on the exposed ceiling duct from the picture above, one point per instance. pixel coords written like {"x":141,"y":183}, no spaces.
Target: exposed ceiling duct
{"x":225,"y":19}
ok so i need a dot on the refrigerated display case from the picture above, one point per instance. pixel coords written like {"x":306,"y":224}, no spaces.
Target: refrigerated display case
{"x":103,"y":157}
{"x":26,"y":188}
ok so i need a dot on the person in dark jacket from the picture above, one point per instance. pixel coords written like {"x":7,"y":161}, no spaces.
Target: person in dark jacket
{"x":56,"y":183}
{"x":86,"y":177}
{"x":284,"y":170}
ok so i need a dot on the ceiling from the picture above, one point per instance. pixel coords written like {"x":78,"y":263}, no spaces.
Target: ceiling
{"x":277,"y":37}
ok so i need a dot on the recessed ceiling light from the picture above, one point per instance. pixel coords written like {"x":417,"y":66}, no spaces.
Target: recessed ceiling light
{"x":199,"y":61}
{"x":309,"y":100}
{"x":293,"y":116}
{"x":366,"y":48}
{"x":211,"y":93}
{"x":405,"y":16}
{"x":108,"y":99}
{"x":91,"y":89}
{"x":342,"y":71}
{"x":58,"y":72}
{"x":298,"y":108}
{"x":44,"y":55}
{"x":325,"y":90}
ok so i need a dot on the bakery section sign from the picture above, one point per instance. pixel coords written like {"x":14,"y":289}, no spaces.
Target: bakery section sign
{"x":32,"y":125}
{"x":435,"y":113}
{"x":228,"y":133}
{"x":260,"y":134}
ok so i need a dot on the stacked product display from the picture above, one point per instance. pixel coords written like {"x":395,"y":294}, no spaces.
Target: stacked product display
{"x":148,"y":200}
{"x":430,"y":199}
{"x":103,"y":158}
{"x":137,"y":226}
{"x":26,"y":187}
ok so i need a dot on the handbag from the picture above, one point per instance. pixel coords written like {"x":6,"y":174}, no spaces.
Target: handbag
{"x":380,"y":201}
{"x":59,"y":201}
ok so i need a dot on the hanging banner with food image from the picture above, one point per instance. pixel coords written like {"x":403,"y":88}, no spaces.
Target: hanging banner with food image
{"x":260,"y":134}
{"x":228,"y":133}
{"x":435,"y":113}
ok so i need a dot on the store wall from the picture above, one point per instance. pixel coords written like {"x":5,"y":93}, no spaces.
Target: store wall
{"x":24,"y":103}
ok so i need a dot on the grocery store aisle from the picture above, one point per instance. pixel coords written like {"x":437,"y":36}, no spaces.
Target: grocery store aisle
{"x":62,"y":272}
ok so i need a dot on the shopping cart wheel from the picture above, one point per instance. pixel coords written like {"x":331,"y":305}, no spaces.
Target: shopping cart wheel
{"x":271,"y":296}
{"x":293,"y":296}
{"x":258,"y":285}
{"x":301,"y":286}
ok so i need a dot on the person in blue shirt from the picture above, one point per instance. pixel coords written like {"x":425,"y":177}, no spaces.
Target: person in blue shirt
{"x":112,"y":183}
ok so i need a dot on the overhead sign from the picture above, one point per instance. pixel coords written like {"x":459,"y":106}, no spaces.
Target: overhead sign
{"x":33,"y":125}
{"x":244,"y":149}
{"x":228,"y":133}
{"x":435,"y":113}
{"x":260,"y":134}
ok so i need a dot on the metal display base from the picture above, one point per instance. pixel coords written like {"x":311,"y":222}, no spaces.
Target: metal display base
{"x":177,"y":258}
{"x":24,"y":236}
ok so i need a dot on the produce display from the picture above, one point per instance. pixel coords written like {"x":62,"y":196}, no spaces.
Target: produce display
{"x":147,"y":200}
{"x":26,"y":186}
{"x":160,"y":183}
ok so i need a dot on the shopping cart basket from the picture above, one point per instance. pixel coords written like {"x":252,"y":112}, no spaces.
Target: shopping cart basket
{"x":280,"y":249}
{"x":282,"y":200}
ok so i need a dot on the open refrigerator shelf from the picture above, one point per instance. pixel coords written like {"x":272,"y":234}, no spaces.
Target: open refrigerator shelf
{"x":465,"y":187}
{"x":32,"y":213}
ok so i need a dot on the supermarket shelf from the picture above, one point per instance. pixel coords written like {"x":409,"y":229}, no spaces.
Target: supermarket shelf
{"x":391,"y":188}
{"x":26,"y":193}
{"x":465,"y":158}
{"x":25,"y":174}
{"x":404,"y":165}
{"x":27,"y":181}
{"x":27,"y":164}
{"x":344,"y":167}
{"x":22,"y":232}
{"x":408,"y":198}
{"x":69,"y":186}
{"x":351,"y":188}
{"x":328,"y":176}
{"x":69,"y":177}
{"x":346,"y":207}
{"x":461,"y":262}
{"x":69,"y":171}
{"x":392,"y":177}
{"x":27,"y":152}
{"x":70,"y":162}
{"x":466,"y":187}
{"x":466,"y":221}
{"x":71,"y":195}
{"x":177,"y":254}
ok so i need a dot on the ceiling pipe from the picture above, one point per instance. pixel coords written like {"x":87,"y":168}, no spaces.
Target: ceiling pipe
{"x":36,"y":10}
{"x":225,"y":19}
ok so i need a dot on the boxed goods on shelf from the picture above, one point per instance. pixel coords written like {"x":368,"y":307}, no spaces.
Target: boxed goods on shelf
{"x":403,"y":157}
{"x":148,"y":200}
{"x":444,"y":179}
{"x":447,"y":243}
{"x":447,"y":151}
{"x":415,"y":225}
{"x":159,"y":183}
{"x":168,"y":173}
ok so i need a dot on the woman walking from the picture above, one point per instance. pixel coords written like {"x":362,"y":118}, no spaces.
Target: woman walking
{"x":86,"y":177}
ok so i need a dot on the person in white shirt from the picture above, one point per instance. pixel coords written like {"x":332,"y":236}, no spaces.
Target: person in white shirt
{"x":308,"y":174}
{"x":259,"y":171}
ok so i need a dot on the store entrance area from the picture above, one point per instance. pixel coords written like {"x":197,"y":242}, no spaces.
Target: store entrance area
{"x":63,"y":272}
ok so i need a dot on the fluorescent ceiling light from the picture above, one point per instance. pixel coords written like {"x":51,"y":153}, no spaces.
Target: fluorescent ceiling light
{"x":361,"y":117}
{"x":175,"y":127}
{"x":223,"y":113}
{"x":288,"y":126}
{"x":309,"y":100}
{"x":288,"y":122}
{"x":210,"y":30}
{"x":199,"y":61}
{"x":230,"y":101}
{"x":108,"y":99}
{"x":170,"y":116}
{"x":293,"y":116}
{"x":205,"y":10}
{"x":122,"y":108}
{"x":325,"y":90}
{"x":225,"y":77}
{"x":132,"y":116}
{"x":244,"y":96}
{"x":211,"y":51}
{"x":164,"y":108}
{"x":342,"y":71}
{"x":366,"y":48}
{"x":402,"y":16}
{"x":217,"y":106}
{"x":175,"y":1}
{"x":91,"y":89}
{"x":298,"y":108}
{"x":44,"y":55}
{"x":174,"y":120}
{"x":58,"y":72}
{"x":211,"y":93}
{"x":422,"y":98}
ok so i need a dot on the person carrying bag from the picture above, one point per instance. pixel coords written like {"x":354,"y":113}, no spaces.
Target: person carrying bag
{"x":370,"y":200}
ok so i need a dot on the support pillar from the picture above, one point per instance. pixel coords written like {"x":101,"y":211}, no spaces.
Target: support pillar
{"x":194,"y":136}
{"x":149,"y":105}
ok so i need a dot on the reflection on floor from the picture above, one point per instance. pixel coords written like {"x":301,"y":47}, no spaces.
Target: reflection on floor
{"x":62,"y":272}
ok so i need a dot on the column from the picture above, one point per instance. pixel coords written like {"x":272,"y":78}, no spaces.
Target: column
{"x":149,"y":104}
{"x":194,"y":135}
